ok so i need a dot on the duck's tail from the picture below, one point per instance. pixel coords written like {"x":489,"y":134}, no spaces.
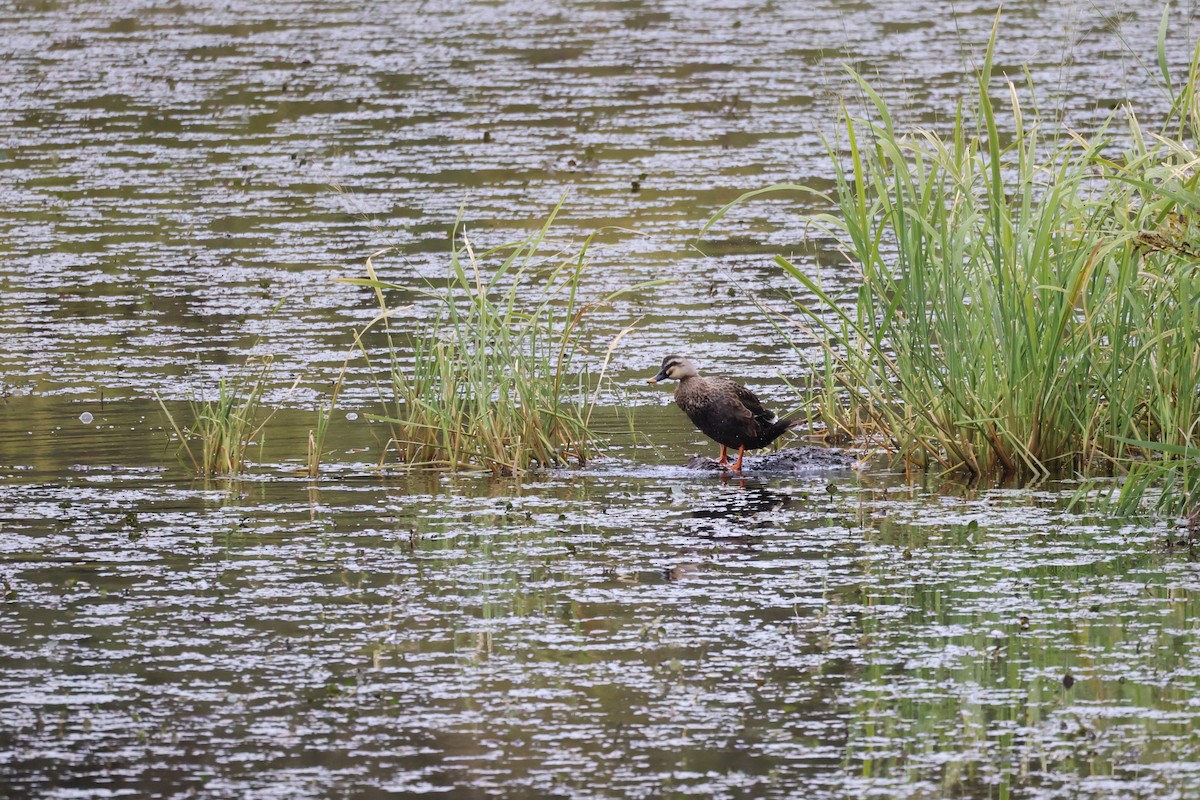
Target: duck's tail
{"x":789,"y":423}
{"x":776,"y":429}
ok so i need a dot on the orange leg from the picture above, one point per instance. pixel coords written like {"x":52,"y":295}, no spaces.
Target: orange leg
{"x":737,"y":465}
{"x":724,"y":459}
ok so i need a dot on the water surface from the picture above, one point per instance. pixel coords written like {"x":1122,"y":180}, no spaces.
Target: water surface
{"x":180,"y":186}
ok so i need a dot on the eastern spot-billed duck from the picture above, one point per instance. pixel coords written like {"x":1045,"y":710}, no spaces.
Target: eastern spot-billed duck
{"x":724,"y":411}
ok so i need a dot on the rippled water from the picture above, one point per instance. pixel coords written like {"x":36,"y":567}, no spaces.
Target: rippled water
{"x":182,"y":183}
{"x":191,"y":165}
{"x":612,"y":632}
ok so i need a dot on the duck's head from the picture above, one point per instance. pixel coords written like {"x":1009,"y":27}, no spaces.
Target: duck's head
{"x":674,"y":368}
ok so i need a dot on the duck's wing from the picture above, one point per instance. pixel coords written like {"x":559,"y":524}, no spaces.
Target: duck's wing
{"x":750,"y":401}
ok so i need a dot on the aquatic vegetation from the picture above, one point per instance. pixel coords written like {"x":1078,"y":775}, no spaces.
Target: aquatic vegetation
{"x":1030,"y":296}
{"x":223,"y":429}
{"x":492,"y":381}
{"x":1173,"y":479}
{"x":316,"y":434}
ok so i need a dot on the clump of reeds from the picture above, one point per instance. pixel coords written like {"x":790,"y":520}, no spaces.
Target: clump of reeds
{"x":223,"y":428}
{"x":1029,"y":301}
{"x":494,"y":379}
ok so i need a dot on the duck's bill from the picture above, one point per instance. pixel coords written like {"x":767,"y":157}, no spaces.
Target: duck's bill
{"x":661,"y":376}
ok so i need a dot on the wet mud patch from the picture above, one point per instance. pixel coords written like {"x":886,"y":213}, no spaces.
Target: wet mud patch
{"x":789,"y":461}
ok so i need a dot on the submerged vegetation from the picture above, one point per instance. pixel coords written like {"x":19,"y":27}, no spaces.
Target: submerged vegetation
{"x":492,"y":380}
{"x":1029,"y":301}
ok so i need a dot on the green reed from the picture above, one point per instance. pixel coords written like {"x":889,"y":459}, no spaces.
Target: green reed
{"x":1027,"y":300}
{"x":222,"y":429}
{"x":317,"y":434}
{"x":494,"y":379}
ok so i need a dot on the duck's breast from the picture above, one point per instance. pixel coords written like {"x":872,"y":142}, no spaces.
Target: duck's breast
{"x":714,"y":408}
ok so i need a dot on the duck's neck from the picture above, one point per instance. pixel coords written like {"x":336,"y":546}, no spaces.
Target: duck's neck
{"x":688,"y":383}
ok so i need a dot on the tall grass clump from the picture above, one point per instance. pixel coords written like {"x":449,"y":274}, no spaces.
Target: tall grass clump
{"x":493,"y":379}
{"x":1028,"y":296}
{"x":223,"y":428}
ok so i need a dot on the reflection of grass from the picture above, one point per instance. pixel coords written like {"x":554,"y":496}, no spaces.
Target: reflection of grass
{"x":1028,"y":302}
{"x":222,"y":429}
{"x":493,"y":381}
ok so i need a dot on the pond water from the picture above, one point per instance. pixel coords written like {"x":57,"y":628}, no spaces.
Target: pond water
{"x":182,"y":183}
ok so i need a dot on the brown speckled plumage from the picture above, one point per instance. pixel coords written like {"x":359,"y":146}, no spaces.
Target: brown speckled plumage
{"x":726,"y":412}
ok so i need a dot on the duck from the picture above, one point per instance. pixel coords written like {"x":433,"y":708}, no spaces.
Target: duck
{"x":726,"y":412}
